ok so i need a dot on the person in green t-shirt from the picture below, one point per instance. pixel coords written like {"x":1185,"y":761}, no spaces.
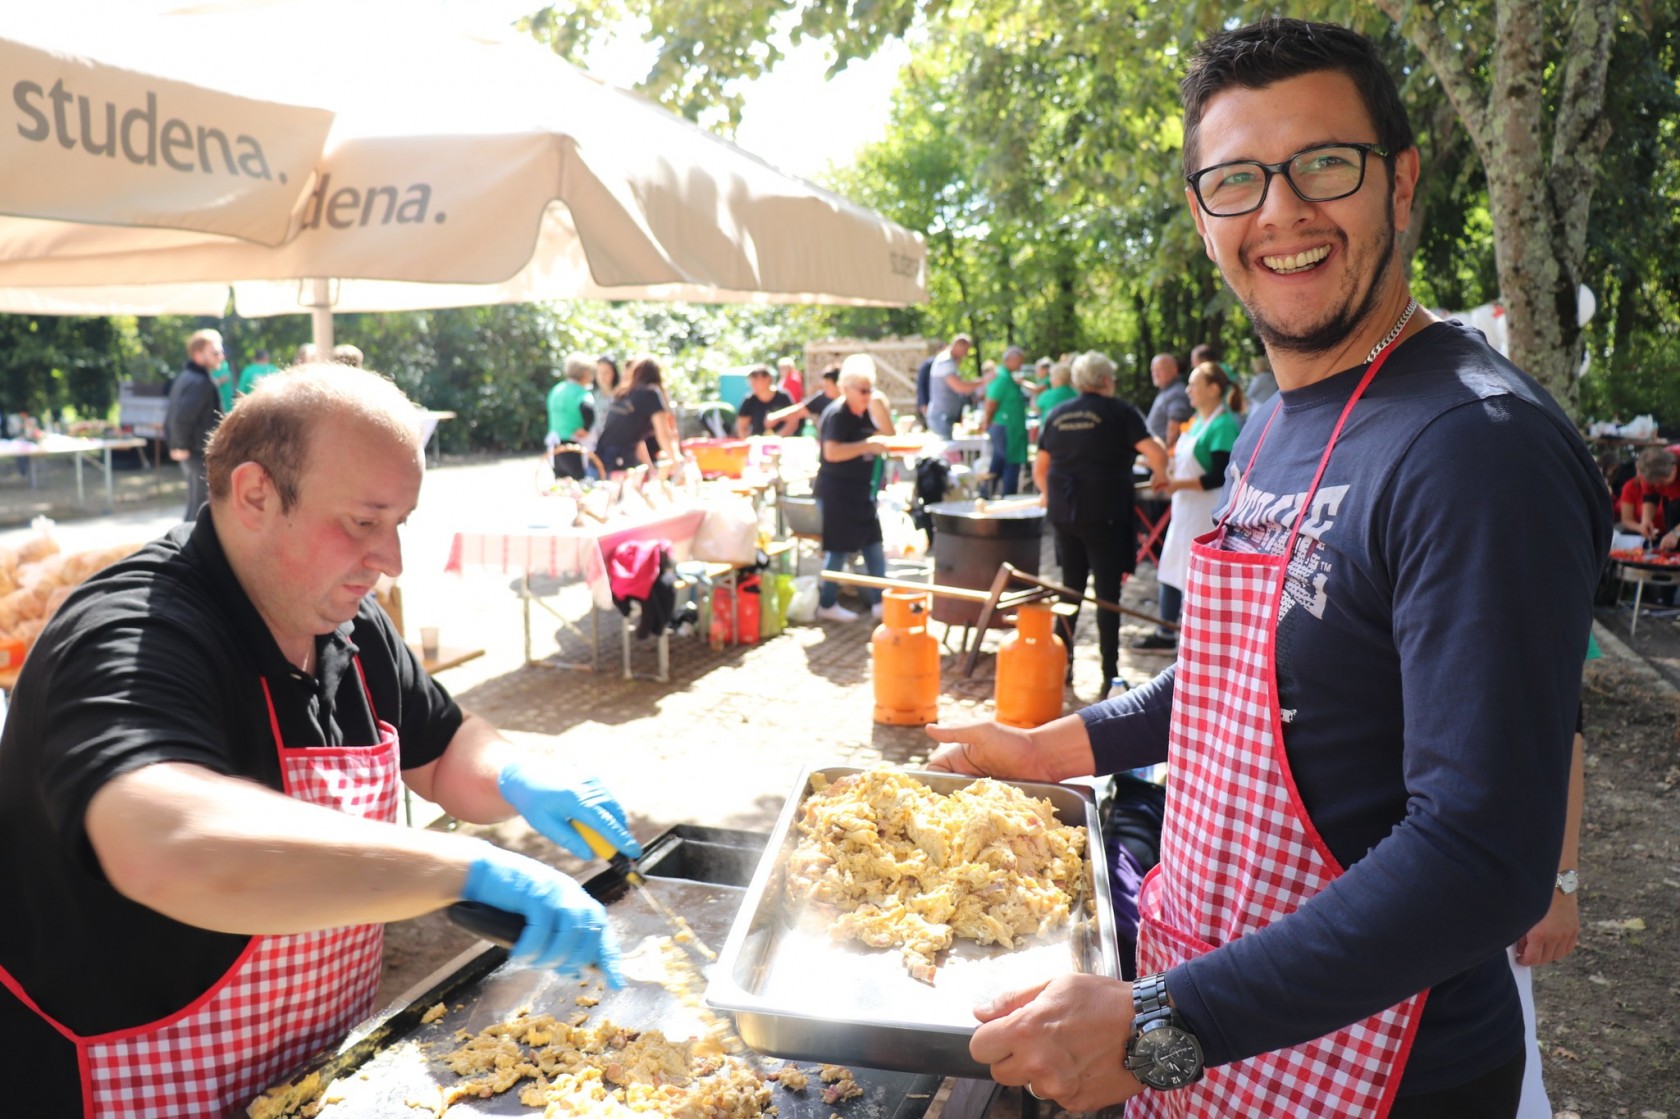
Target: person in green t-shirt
{"x":1060,"y":390}
{"x":1196,"y":480}
{"x":1006,"y":425}
{"x":222,"y":378}
{"x":571,"y":413}
{"x":256,"y":371}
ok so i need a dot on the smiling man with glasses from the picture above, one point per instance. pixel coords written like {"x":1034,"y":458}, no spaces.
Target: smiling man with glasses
{"x":1320,"y":174}
{"x":1368,"y":728}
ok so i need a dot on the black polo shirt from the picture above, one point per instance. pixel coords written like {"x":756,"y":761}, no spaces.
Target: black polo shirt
{"x":158,"y":658}
{"x":758,"y":411}
{"x":1092,"y":442}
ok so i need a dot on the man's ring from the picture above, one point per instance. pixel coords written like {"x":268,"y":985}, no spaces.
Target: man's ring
{"x":1033,"y":1092}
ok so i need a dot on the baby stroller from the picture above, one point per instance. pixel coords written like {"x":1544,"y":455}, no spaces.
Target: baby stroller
{"x":933,"y":481}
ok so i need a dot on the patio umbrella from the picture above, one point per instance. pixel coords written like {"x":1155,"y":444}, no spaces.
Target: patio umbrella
{"x":456,"y":169}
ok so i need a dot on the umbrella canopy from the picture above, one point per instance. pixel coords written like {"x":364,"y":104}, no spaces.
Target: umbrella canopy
{"x":361,"y":157}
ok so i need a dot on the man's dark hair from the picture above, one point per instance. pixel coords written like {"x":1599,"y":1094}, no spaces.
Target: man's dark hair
{"x":1277,"y":49}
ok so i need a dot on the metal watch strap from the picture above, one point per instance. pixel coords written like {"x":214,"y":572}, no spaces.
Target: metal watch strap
{"x":1149,"y":996}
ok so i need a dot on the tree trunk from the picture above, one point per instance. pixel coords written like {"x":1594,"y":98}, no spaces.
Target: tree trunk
{"x":1539,"y":206}
{"x":1530,"y":271}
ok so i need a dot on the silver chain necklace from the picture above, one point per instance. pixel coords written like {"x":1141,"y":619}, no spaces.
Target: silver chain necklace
{"x":1405,"y":317}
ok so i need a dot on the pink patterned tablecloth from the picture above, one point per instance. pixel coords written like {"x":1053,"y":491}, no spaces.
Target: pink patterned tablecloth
{"x":555,"y":551}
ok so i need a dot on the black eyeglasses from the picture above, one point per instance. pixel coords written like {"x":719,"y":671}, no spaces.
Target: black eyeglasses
{"x":1321,"y":174}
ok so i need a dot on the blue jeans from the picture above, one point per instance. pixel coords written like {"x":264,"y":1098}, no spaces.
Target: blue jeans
{"x":1172,"y":601}
{"x":943,"y":423}
{"x":874,"y":562}
{"x":1006,"y":475}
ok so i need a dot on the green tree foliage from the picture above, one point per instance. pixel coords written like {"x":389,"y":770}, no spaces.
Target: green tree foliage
{"x":58,"y":366}
{"x":1040,"y":144}
{"x":1037,"y":146}
{"x":1633,"y":346}
{"x":492,"y":366}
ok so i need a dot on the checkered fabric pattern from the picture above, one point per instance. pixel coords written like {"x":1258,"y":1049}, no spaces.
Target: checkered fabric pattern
{"x":282,"y":1001}
{"x":287,"y":998}
{"x":1238,"y":852}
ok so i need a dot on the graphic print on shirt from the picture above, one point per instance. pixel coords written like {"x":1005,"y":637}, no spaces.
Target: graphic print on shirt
{"x":1259,"y":523}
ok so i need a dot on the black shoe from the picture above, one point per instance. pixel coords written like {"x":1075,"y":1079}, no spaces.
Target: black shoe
{"x":1156,"y":642}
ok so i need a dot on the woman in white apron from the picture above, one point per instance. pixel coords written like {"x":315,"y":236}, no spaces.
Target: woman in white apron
{"x":1196,"y":480}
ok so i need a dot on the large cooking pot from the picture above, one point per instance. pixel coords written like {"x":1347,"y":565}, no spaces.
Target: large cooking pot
{"x":971,"y":540}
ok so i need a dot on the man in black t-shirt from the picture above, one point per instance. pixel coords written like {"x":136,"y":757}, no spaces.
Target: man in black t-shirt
{"x":753,"y":416}
{"x":1086,"y":447}
{"x":200,"y":772}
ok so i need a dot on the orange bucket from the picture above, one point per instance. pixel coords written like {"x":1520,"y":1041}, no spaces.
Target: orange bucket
{"x":905,"y":661}
{"x":725,"y":458}
{"x":1031,"y":669}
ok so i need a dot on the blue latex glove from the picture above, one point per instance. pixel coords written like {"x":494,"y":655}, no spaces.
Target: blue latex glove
{"x":565,"y":928}
{"x":551,"y":804}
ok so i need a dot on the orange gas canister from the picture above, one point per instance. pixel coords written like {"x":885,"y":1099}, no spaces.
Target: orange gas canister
{"x":1031,"y":666}
{"x":905,"y":661}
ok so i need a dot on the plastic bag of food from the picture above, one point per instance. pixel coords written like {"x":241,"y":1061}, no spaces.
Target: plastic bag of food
{"x":802,"y":606}
{"x":38,"y":547}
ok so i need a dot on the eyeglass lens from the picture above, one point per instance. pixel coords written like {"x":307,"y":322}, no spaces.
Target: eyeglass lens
{"x":1317,"y":175}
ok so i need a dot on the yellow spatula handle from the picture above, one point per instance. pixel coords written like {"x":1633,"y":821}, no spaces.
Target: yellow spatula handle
{"x":598,"y":843}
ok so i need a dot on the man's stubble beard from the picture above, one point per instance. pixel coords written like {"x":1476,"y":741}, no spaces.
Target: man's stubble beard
{"x":1334,"y":332}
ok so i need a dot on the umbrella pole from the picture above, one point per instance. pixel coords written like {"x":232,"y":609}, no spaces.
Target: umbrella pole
{"x":320,"y":304}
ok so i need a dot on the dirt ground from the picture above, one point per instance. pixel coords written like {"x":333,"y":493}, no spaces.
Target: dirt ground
{"x":1609,"y":1014}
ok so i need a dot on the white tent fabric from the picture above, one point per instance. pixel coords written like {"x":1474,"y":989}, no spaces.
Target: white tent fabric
{"x":458,"y":169}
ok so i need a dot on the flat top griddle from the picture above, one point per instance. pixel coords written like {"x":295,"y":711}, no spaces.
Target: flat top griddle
{"x":398,"y":1072}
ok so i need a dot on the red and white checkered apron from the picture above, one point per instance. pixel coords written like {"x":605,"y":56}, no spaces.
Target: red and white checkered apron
{"x":1237,"y":848}
{"x":284,"y":998}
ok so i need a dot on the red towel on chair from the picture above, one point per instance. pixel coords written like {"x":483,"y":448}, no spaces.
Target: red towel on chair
{"x":633,"y":567}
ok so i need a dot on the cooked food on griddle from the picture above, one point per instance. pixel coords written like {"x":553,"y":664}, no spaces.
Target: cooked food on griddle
{"x":900,"y":865}
{"x":604,"y":1070}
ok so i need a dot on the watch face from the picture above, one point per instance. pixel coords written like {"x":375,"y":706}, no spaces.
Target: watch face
{"x":1166,"y":1057}
{"x":1567,"y":881}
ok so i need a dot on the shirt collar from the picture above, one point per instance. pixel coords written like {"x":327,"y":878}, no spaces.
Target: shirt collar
{"x":333,"y":653}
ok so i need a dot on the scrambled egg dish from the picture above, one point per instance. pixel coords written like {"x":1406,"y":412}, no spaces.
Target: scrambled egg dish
{"x":605,"y":1070}
{"x":901,"y":865}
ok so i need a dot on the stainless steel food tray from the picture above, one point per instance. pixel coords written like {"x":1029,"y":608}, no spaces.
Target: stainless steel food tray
{"x":796,"y":993}
{"x":390,"y":1067}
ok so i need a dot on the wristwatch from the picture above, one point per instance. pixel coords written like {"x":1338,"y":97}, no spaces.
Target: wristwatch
{"x":1568,"y":881}
{"x":1162,"y":1052}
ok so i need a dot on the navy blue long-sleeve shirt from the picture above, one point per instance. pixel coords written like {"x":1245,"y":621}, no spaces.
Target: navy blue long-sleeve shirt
{"x":1429,"y":666}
